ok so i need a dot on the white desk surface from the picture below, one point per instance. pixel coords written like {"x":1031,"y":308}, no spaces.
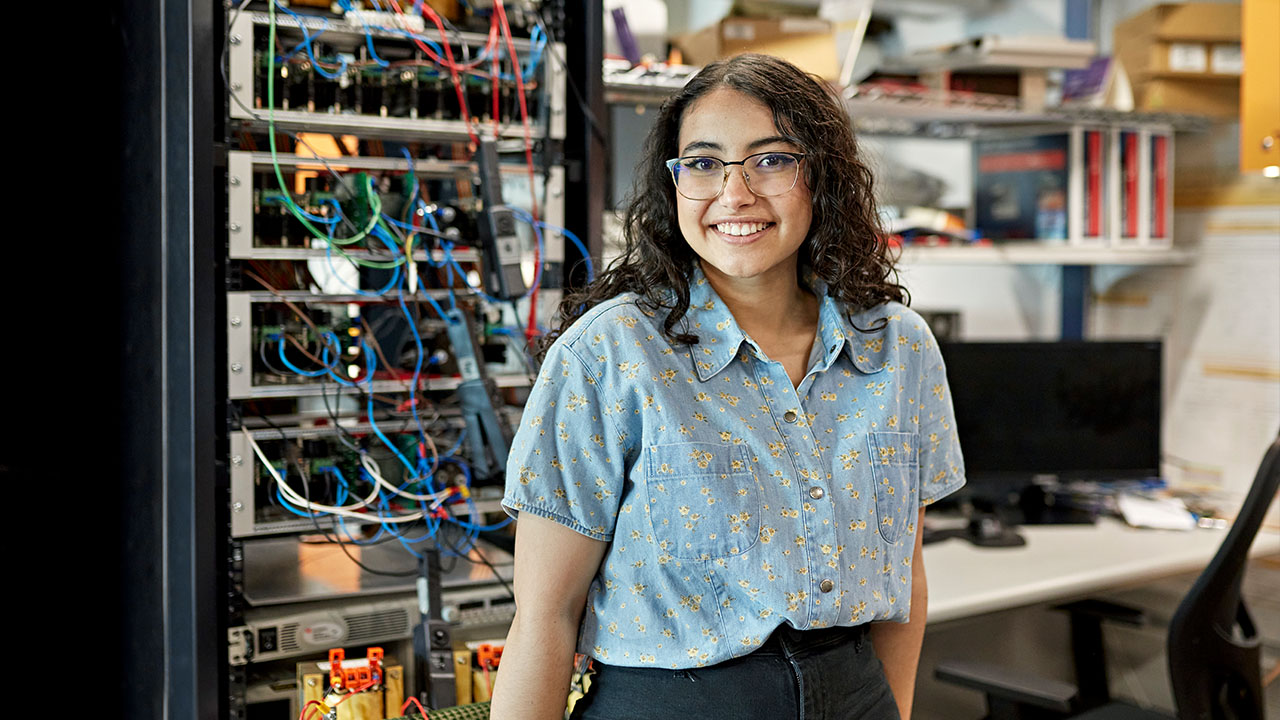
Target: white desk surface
{"x":1060,"y":562}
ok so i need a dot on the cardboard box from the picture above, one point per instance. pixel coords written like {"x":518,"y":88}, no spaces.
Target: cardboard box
{"x":1203,"y":21}
{"x":1183,"y":58}
{"x":808,"y":42}
{"x":1202,"y":96}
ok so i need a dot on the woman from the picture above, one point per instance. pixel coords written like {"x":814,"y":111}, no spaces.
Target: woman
{"x":722,"y":466}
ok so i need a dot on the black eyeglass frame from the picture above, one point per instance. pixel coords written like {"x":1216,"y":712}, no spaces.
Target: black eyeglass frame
{"x":798,"y":157}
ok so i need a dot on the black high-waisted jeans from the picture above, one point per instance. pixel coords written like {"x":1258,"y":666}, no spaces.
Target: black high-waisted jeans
{"x":829,"y":674}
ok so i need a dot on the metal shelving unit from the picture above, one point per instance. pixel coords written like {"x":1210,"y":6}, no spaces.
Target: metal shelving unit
{"x":1032,"y":252}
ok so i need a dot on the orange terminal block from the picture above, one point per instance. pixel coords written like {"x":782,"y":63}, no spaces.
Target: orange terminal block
{"x":489,"y":656}
{"x":375,"y":655}
{"x":355,"y":679}
{"x":336,"y":680}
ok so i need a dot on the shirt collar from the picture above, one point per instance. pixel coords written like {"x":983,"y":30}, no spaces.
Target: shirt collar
{"x":720,"y":338}
{"x":867,"y":350}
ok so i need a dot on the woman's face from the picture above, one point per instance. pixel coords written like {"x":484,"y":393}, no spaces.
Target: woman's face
{"x":739,"y":234}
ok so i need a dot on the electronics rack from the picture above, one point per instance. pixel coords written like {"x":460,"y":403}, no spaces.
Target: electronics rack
{"x":353,"y":120}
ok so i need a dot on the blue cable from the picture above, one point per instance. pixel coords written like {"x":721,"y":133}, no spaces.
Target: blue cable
{"x":395,"y":275}
{"x":337,"y":360}
{"x":300,"y":371}
{"x":466,"y":473}
{"x":368,"y":40}
{"x":288,"y":505}
{"x":582,"y":248}
{"x":456,"y":445}
{"x":342,"y":496}
{"x":389,"y":528}
{"x":447,"y":249}
{"x":342,"y":482}
{"x":485,"y":528}
{"x":415,"y":196}
{"x":307,"y":38}
{"x":537,"y":270}
{"x":370,"y":364}
{"x":417,"y":369}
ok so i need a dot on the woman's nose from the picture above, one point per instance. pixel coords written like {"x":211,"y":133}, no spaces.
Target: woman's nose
{"x":736,"y":193}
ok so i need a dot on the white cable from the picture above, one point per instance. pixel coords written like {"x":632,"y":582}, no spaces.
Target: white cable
{"x":345,"y":510}
{"x":371,"y":467}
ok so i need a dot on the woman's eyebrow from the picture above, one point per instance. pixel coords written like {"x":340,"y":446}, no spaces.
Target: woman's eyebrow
{"x":701,"y":145}
{"x":754,"y":144}
{"x":768,"y":141}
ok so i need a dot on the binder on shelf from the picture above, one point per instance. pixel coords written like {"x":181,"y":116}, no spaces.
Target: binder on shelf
{"x":1142,"y":169}
{"x":1087,"y":207}
{"x":1127,"y":170}
{"x":1160,"y":143}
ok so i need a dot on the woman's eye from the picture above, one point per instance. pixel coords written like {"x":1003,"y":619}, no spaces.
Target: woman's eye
{"x":773,"y":161}
{"x":701,"y":164}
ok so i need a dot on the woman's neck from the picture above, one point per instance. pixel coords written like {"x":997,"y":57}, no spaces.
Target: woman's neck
{"x":769,"y":307}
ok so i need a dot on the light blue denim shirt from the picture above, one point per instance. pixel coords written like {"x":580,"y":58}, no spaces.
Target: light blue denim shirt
{"x":733,"y":501}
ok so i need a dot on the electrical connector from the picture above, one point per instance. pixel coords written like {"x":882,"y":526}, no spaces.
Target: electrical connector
{"x":488,"y":656}
{"x":359,"y":19}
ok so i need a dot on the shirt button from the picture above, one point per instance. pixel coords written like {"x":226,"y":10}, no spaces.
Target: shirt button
{"x":789,"y":416}
{"x":816,"y":493}
{"x":826,"y":586}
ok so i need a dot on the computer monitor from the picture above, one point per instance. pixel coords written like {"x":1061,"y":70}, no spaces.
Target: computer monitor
{"x":1075,"y":410}
{"x":1072,"y":409}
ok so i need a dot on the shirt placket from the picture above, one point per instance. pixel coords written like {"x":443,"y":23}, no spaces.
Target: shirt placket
{"x":811,"y":487}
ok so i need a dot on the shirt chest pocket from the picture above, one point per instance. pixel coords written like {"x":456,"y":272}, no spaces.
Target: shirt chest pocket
{"x":895,"y":464}
{"x":703,"y":499}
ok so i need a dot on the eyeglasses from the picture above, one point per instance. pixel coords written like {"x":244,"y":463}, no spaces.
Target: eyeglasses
{"x":768,"y":174}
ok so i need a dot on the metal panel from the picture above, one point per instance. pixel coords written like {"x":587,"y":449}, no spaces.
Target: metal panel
{"x":242,"y":463}
{"x":585,"y":150}
{"x":239,"y":345}
{"x":240,"y":65}
{"x":241,"y":74}
{"x":240,"y":204}
{"x":173,"y":629}
{"x":555,"y":79}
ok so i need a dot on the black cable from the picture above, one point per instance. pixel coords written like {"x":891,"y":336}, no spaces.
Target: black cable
{"x":306,"y":493}
{"x":596,"y":129}
{"x":493,"y":570}
{"x":344,"y":435}
{"x":335,"y":538}
{"x":262,"y":355}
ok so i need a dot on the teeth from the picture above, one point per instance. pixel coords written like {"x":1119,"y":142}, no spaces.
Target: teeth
{"x":741,"y":228}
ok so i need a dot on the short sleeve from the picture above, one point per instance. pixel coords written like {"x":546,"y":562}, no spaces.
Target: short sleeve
{"x":941,"y":463}
{"x":567,"y":461}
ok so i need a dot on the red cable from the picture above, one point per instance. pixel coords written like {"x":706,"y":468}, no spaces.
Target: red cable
{"x":497,"y":71}
{"x":491,"y":44}
{"x":524,"y":110}
{"x":413,"y":701}
{"x":453,"y":72}
{"x":532,"y":330}
{"x":303,"y":715}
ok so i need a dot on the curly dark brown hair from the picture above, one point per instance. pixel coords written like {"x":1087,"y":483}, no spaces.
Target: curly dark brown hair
{"x":846,"y":246}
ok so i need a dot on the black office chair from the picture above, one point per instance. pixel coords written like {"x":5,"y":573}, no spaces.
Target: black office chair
{"x":1214,"y":655}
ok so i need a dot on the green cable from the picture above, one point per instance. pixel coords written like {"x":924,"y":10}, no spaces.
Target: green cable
{"x":375,"y":202}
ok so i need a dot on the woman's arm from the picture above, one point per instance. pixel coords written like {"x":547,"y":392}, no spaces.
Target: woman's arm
{"x":898,"y":644}
{"x":553,"y":570}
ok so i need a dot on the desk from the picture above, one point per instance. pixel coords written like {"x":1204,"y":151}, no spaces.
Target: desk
{"x":1060,"y":562}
